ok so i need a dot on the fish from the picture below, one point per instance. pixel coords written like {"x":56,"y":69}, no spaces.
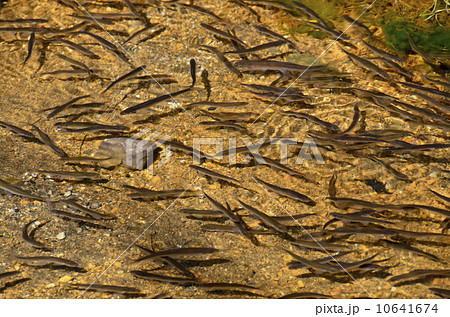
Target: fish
{"x":97,"y":127}
{"x":29,"y":237}
{"x":174,"y":145}
{"x":19,"y":131}
{"x":366,"y":64}
{"x":281,"y":39}
{"x":328,"y":259}
{"x":445,"y":198}
{"x":269,"y":221}
{"x":399,"y":69}
{"x":138,"y":32}
{"x":309,"y":12}
{"x":104,"y":288}
{"x":319,"y":245}
{"x":357,"y":24}
{"x":223,"y":34}
{"x":337,"y":35}
{"x":123,"y":77}
{"x":436,"y":92}
{"x":48,"y":260}
{"x":345,"y":203}
{"x":384,"y":54}
{"x":264,"y":65}
{"x":275,"y":165}
{"x":305,"y":295}
{"x":222,"y":58}
{"x":15,"y":190}
{"x":108,"y":45}
{"x":7,"y":275}
{"x":163,"y":278}
{"x":390,"y":169}
{"x":214,"y":104}
{"x":355,"y":120}
{"x":224,"y":124}
{"x":201,"y":10}
{"x":76,"y":217}
{"x":74,"y":62}
{"x":445,"y":293}
{"x":286,"y":192}
{"x":71,"y":175}
{"x":419,"y":274}
{"x":214,"y":175}
{"x":94,"y":214}
{"x":156,"y":100}
{"x":318,"y":266}
{"x":357,"y":217}
{"x":64,"y":106}
{"x":408,"y":248}
{"x":176,"y":253}
{"x":257,"y":48}
{"x":146,"y":194}
{"x":206,"y":83}
{"x":171,"y":262}
{"x":47,"y":141}
{"x":76,"y":47}
{"x":327,"y":125}
{"x":31,"y":42}
{"x":225,"y":286}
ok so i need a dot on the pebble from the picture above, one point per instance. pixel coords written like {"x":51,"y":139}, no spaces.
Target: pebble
{"x":65,"y":279}
{"x":61,"y":236}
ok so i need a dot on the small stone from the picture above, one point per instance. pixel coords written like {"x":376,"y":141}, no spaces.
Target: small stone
{"x":300,"y":284}
{"x":61,"y":236}
{"x":393,"y":289}
{"x":65,"y":279}
{"x":50,"y":285}
{"x":67,"y":193}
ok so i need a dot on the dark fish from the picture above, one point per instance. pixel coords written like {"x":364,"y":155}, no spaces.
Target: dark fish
{"x":447,"y":199}
{"x":71,"y":174}
{"x":328,"y":259}
{"x":408,"y":248}
{"x":264,"y":65}
{"x":29,"y":237}
{"x":104,"y":288}
{"x":357,"y":217}
{"x":286,"y":192}
{"x":186,"y":149}
{"x":258,"y":48}
{"x":337,"y":35}
{"x":332,"y":186}
{"x":305,"y":295}
{"x":7,"y":275}
{"x":206,"y":83}
{"x":47,"y":260}
{"x":319,"y":245}
{"x":222,"y":58}
{"x":75,"y":217}
{"x":281,"y":39}
{"x":269,"y":221}
{"x":441,"y":292}
{"x":222,"y":33}
{"x":77,"y":47}
{"x":171,"y":262}
{"x":100,"y":39}
{"x":327,"y":125}
{"x":15,"y":21}
{"x":47,"y":141}
{"x":319,"y":266}
{"x":224,"y":124}
{"x":163,"y":278}
{"x":146,"y":28}
{"x":201,"y":10}
{"x":275,"y":165}
{"x":217,"y":104}
{"x":176,"y":253}
{"x":230,"y":116}
{"x":58,"y":109}
{"x":19,"y":131}
{"x":399,"y":69}
{"x":357,"y":24}
{"x":214,"y":175}
{"x":74,"y":62}
{"x":145,"y":194}
{"x":156,"y":100}
{"x":355,"y":120}
{"x":344,"y":203}
{"x":312,"y":14}
{"x":94,"y":214}
{"x":30,"y":46}
{"x":440,"y":93}
{"x":382,"y":53}
{"x":97,"y":127}
{"x":419,"y":274}
{"x":15,"y":190}
{"x":225,"y":286}
{"x":367,"y":64}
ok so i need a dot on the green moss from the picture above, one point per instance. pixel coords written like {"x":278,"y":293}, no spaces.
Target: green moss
{"x":430,"y":40}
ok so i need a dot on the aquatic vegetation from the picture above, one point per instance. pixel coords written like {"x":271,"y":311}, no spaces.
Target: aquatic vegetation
{"x":431,"y":40}
{"x":437,"y":7}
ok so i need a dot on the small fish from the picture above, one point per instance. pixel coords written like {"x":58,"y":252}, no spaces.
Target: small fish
{"x":419,"y":274}
{"x":222,"y":33}
{"x":94,"y":214}
{"x":28,"y":237}
{"x":357,"y":24}
{"x":286,"y":192}
{"x":269,"y":221}
{"x":58,"y":109}
{"x":445,"y":293}
{"x":206,"y":83}
{"x":275,"y":165}
{"x":222,"y":58}
{"x":264,"y":65}
{"x":15,"y":190}
{"x":123,"y":77}
{"x":19,"y":131}
{"x":367,"y":64}
{"x":201,"y":10}
{"x":258,"y":48}
{"x":74,"y":62}
{"x":176,"y":253}
{"x":104,"y":288}
{"x":281,"y":39}
{"x":309,"y":12}
{"x":77,"y":47}
{"x":327,"y":125}
{"x":146,"y":194}
{"x":76,"y":217}
{"x":163,"y":278}
{"x":319,"y":245}
{"x":390,"y":169}
{"x":382,"y":53}
{"x":47,"y":141}
{"x":214,"y":175}
{"x":408,"y":248}
{"x":31,"y":42}
{"x":345,"y":203}
{"x":305,"y":295}
{"x":445,"y":198}
{"x":337,"y":35}
{"x":47,"y":260}
{"x":224,"y":124}
{"x":7,"y":275}
{"x":436,"y":92}
{"x":215,"y":104}
{"x":156,"y":100}
{"x":71,"y":175}
{"x":319,"y":266}
{"x":225,"y":286}
{"x":144,"y":29}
